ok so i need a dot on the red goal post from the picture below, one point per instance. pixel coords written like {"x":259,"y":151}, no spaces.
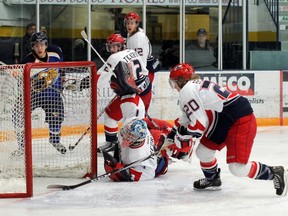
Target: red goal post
{"x":22,"y":113}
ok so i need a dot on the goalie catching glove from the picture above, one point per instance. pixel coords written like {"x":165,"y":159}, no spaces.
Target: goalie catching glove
{"x":123,"y":82}
{"x":77,"y":85}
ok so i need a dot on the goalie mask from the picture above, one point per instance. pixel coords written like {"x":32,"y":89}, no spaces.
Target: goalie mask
{"x":180,"y":74}
{"x":133,"y":133}
{"x":40,"y":37}
{"x":115,"y":40}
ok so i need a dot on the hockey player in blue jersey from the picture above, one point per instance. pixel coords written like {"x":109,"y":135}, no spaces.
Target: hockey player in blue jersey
{"x":46,"y":88}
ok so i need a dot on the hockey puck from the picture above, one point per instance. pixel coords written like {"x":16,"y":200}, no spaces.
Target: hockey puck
{"x":71,"y":147}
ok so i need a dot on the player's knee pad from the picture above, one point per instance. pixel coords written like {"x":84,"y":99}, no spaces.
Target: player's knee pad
{"x":239,"y":170}
{"x":204,"y":154}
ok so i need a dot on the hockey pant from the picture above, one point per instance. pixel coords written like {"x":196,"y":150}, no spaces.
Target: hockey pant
{"x":128,"y":106}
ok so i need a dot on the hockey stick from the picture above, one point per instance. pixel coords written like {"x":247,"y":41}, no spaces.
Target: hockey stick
{"x":85,"y":37}
{"x":71,"y":147}
{"x":71,"y":187}
{"x":152,"y":121}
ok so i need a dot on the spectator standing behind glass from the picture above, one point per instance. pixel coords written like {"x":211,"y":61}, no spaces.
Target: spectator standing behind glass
{"x":44,"y":29}
{"x":80,"y":51}
{"x":200,"y":52}
{"x":25,"y":47}
{"x":202,"y":41}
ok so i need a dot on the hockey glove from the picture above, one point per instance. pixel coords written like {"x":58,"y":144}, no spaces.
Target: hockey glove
{"x":77,"y":85}
{"x":153,"y":64}
{"x":72,"y":86}
{"x":111,"y":164}
{"x":181,"y":147}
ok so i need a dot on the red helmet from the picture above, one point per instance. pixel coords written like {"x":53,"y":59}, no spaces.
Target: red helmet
{"x":132,"y":16}
{"x":182,"y":70}
{"x":115,"y":38}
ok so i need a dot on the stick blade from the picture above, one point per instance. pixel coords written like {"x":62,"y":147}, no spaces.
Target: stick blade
{"x":84,"y":35}
{"x":55,"y":186}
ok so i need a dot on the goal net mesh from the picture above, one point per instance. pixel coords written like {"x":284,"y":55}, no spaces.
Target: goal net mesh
{"x":53,"y":109}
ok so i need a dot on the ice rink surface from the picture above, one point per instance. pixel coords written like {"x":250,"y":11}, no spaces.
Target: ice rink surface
{"x":171,"y":194}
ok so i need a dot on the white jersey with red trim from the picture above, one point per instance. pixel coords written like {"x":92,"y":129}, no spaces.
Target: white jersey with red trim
{"x":130,"y":56}
{"x":146,"y":169}
{"x":197,"y":99}
{"x":132,"y":107}
{"x":141,"y":44}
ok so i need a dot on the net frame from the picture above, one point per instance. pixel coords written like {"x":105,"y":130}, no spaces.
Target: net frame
{"x":28,"y":121}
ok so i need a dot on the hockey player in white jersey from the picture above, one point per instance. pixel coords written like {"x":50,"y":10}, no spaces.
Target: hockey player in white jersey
{"x":138,"y":41}
{"x":120,"y":61}
{"x":121,"y":66}
{"x":135,"y":142}
{"x":219,"y":118}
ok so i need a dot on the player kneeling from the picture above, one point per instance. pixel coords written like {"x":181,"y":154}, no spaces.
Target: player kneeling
{"x":135,"y":142}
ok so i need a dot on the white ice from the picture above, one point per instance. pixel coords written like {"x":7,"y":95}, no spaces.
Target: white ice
{"x":171,"y":194}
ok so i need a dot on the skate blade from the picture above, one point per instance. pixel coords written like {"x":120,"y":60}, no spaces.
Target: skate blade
{"x":286,"y":183}
{"x":209,"y":189}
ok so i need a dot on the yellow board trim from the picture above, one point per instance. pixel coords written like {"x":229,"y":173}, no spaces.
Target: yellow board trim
{"x":79,"y":130}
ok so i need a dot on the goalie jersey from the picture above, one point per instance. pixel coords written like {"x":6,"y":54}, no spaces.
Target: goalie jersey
{"x":209,"y":109}
{"x":139,"y":71}
{"x":146,"y":169}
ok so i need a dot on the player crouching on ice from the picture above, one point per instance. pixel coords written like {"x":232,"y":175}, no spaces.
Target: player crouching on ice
{"x":135,"y":142}
{"x":219,"y":118}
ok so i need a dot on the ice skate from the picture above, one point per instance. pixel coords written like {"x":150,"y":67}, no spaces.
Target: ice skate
{"x":205,"y":184}
{"x":280,"y":180}
{"x":108,"y":147}
{"x":59,"y":147}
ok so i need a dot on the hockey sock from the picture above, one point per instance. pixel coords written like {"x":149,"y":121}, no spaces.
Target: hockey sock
{"x":209,"y":169}
{"x":260,"y":171}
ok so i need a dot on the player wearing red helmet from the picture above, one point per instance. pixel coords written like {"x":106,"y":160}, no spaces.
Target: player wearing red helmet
{"x":138,"y":41}
{"x":115,"y":43}
{"x":219,"y":118}
{"x":129,"y":79}
{"x":180,"y":74}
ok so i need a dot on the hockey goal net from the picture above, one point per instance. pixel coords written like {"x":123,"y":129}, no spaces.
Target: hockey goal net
{"x":30,"y":116}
